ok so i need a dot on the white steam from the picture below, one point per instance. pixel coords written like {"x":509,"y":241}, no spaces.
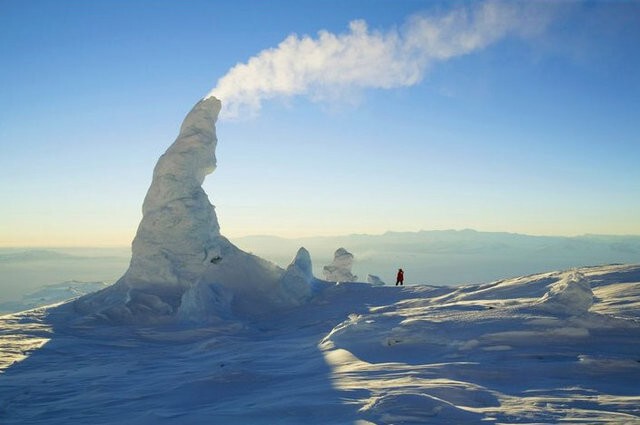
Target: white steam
{"x":332,"y":64}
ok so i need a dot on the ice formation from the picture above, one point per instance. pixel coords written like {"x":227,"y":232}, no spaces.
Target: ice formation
{"x":181,"y":266}
{"x":375,"y":280}
{"x":298,"y":280}
{"x":179,"y":235}
{"x":340,"y":269}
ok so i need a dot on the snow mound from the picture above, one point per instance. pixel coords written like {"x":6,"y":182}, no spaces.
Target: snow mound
{"x":340,"y":269}
{"x":571,"y":295}
{"x":417,"y":408}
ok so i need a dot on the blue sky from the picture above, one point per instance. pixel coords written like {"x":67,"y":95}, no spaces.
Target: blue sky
{"x":534,"y":133}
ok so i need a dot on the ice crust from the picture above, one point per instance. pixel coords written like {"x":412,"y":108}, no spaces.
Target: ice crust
{"x":181,"y":267}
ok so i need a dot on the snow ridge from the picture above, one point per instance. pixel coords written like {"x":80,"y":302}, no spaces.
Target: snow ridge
{"x":572,"y":295}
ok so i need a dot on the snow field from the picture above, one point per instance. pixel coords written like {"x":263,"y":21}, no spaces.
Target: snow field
{"x":353,"y":353}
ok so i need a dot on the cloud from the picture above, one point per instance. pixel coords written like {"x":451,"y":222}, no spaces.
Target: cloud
{"x":329,"y":65}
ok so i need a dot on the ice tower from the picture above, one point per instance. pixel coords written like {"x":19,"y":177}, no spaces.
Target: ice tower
{"x":181,"y":266}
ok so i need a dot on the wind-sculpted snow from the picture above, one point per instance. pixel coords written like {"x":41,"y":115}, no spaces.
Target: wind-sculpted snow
{"x":572,"y":295}
{"x":353,"y":353}
{"x":435,"y":358}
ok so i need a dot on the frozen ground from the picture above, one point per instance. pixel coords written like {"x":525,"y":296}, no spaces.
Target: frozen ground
{"x":548,"y":348}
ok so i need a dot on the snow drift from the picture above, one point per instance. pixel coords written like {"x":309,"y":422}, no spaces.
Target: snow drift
{"x":572,"y":295}
{"x":353,"y":354}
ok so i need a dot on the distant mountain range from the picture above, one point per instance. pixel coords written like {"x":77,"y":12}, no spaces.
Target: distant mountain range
{"x":13,"y":255}
{"x":51,"y":294}
{"x":447,"y":257}
{"x":35,"y":255}
{"x":23,"y":271}
{"x":452,"y":256}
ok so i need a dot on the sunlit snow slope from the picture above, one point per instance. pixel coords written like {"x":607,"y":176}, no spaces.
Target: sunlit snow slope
{"x":549,"y":348}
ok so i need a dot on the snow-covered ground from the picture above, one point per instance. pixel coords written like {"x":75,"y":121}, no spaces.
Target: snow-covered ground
{"x":548,"y":348}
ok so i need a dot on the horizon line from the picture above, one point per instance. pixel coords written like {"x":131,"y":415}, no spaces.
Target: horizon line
{"x":293,"y":238}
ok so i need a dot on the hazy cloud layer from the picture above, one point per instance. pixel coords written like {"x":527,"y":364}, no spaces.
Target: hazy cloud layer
{"x":330,"y":65}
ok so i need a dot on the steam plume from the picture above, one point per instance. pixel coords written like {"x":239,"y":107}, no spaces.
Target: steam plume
{"x":331,"y":64}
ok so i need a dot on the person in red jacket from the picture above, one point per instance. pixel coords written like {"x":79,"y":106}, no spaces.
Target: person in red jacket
{"x":400,"y":277}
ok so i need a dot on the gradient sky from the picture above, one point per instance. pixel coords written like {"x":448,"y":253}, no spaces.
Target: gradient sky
{"x":535,"y":134}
